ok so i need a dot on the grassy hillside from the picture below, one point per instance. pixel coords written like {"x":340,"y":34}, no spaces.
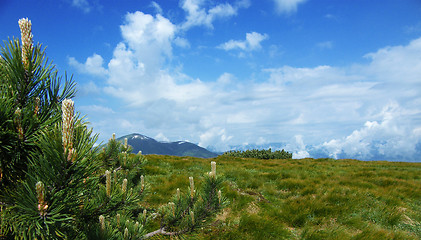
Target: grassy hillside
{"x":300,"y":199}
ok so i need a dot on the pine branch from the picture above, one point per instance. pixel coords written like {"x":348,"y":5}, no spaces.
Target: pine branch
{"x":117,"y":169}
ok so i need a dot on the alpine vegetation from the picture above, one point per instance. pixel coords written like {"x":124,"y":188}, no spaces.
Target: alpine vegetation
{"x":54,"y":182}
{"x":260,"y":154}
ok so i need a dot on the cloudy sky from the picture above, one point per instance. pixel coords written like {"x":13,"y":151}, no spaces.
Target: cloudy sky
{"x":332,"y":78}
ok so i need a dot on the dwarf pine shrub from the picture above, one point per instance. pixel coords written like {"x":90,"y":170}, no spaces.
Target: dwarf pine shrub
{"x":260,"y":154}
{"x":55,"y":184}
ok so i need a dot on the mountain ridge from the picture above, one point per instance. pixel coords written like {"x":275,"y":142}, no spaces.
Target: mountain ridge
{"x":148,"y":145}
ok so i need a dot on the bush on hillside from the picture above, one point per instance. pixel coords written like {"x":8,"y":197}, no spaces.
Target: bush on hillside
{"x":260,"y":154}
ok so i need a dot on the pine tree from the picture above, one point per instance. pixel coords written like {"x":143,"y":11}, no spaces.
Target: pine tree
{"x":31,"y":95}
{"x":55,"y":184}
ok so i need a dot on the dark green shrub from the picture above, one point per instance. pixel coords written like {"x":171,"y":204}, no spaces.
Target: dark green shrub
{"x":260,"y":154}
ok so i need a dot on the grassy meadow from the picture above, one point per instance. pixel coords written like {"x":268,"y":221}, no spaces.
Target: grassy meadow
{"x":298,"y":199}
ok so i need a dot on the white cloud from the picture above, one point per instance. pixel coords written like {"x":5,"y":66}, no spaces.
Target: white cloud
{"x":182,"y":42}
{"x":156,"y":6}
{"x":198,"y":15}
{"x":391,"y":64}
{"x":233,"y":44}
{"x":215,"y":135}
{"x":298,"y":148}
{"x":96,"y":109}
{"x":82,"y":4}
{"x":391,"y":138}
{"x":244,"y":117}
{"x":125,"y":68}
{"x":161,"y":137}
{"x":346,"y":90}
{"x":297,"y":104}
{"x":287,"y":6}
{"x":93,"y":65}
{"x":261,"y":141}
{"x":252,"y":42}
{"x":151,"y":35}
{"x":242,"y":3}
{"x":136,"y":70}
{"x":225,"y":79}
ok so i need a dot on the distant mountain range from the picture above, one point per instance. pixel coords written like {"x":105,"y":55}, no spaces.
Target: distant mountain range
{"x":149,"y":145}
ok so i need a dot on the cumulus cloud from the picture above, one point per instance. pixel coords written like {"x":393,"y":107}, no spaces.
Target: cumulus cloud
{"x":148,"y":34}
{"x":136,"y":71}
{"x":215,"y":135}
{"x":161,"y":137}
{"x":392,"y":63}
{"x":252,"y":42}
{"x":93,"y":65}
{"x":287,"y":6}
{"x":341,"y":107}
{"x":199,"y":15}
{"x":392,"y":138}
{"x":298,"y":148}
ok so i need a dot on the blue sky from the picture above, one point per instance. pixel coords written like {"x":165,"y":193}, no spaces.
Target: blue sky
{"x":332,"y":78}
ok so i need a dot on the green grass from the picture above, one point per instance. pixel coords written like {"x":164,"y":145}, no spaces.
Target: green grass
{"x":299,"y":199}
